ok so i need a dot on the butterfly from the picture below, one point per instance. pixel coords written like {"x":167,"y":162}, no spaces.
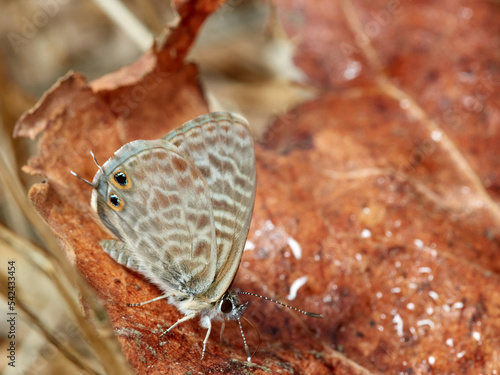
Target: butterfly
{"x":180,"y":208}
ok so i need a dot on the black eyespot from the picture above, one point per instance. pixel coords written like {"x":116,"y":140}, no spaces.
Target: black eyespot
{"x":226,"y":306}
{"x":114,"y":200}
{"x":121,"y":178}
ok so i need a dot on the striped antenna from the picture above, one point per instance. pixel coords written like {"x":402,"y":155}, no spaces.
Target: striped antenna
{"x":247,"y":349}
{"x":308,"y":313}
{"x":258,"y":334}
{"x":95,"y":161}
{"x":81,"y":178}
{"x":84,"y":180}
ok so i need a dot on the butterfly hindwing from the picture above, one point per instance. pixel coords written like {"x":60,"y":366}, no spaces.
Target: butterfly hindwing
{"x":221,"y":147}
{"x":119,"y":251}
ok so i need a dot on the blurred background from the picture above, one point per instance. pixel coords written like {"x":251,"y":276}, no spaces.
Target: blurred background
{"x":246,"y":66}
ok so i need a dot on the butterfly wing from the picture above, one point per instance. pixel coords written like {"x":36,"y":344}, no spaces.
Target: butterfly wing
{"x":221,"y":147}
{"x":119,"y":251}
{"x":158,"y":204}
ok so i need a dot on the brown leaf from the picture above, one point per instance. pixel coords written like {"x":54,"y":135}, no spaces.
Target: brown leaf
{"x":391,"y":182}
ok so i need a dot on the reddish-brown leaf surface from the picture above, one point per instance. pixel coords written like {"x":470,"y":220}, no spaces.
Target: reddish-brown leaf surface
{"x":387,"y":181}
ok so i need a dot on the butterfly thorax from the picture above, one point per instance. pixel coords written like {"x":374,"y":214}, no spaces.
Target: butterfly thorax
{"x":190,"y":304}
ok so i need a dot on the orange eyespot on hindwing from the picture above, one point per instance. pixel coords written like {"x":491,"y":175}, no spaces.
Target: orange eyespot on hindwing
{"x":121,"y":180}
{"x":115,"y":202}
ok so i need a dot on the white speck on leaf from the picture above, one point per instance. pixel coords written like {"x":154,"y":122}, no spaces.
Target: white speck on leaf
{"x":296,"y":285}
{"x":296,"y":249}
{"x":433,"y":295}
{"x":399,"y":324}
{"x":366,"y":233}
{"x":249,"y":245}
{"x":425,"y":322}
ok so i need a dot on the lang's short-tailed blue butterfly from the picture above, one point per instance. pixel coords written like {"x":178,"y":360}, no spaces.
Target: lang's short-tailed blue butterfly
{"x":181,"y":207}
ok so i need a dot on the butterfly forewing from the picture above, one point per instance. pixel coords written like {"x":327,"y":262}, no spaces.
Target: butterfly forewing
{"x":221,"y":146}
{"x":165,"y":215}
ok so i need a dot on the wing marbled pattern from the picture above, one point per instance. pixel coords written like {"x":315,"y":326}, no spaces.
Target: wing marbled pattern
{"x":166,"y":216}
{"x":221,"y":146}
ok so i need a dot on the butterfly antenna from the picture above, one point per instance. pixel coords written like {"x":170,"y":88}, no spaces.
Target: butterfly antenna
{"x":308,"y":313}
{"x":247,"y":350}
{"x":256,"y":330}
{"x":95,"y":161}
{"x":81,"y":178}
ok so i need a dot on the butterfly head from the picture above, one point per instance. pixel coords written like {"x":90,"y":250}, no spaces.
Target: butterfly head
{"x":229,"y":306}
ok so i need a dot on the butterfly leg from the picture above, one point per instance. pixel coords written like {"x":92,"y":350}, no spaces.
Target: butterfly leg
{"x":146,"y":302}
{"x":222,"y":330}
{"x":205,"y":322}
{"x":187,"y":317}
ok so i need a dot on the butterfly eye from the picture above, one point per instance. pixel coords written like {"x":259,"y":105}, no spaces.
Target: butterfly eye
{"x":115,"y":202}
{"x":121,"y":180}
{"x":226,"y":306}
